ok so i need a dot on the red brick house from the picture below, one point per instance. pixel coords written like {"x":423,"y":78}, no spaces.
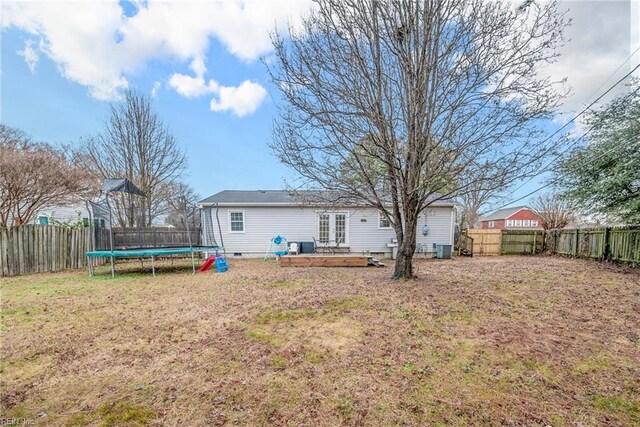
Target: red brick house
{"x":516,"y":218}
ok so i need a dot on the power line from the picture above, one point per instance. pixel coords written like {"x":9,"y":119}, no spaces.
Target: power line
{"x":557,"y":156}
{"x":613,"y":74}
{"x":553,"y":181}
{"x":573,"y":144}
{"x":584,"y":110}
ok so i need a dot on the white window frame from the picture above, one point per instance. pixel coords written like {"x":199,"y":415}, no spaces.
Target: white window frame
{"x":526,"y":223}
{"x":534,"y":222}
{"x":492,"y":224}
{"x":244,"y":221}
{"x":518,"y":222}
{"x":509,"y":223}
{"x":382,"y":216}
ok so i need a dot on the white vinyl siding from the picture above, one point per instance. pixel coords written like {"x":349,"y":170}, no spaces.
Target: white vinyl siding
{"x":71,"y":215}
{"x":362,"y":232}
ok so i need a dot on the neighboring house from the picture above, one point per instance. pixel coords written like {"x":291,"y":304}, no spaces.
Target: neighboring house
{"x":248,"y":220}
{"x":73,"y":214}
{"x":518,"y":218}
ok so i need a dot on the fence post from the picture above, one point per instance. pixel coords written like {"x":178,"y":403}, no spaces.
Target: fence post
{"x":575,"y":244}
{"x":605,"y":244}
{"x":535,"y":242}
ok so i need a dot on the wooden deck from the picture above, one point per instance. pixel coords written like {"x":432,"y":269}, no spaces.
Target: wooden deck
{"x":324,"y":261}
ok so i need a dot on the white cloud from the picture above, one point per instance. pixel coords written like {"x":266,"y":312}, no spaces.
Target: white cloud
{"x":192,"y":87}
{"x":242,"y":100}
{"x":30,"y":55}
{"x":155,"y":89}
{"x":198,"y":67}
{"x":96,"y":45}
{"x":600,"y":38}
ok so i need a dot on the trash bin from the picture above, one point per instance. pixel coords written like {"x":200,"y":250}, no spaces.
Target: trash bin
{"x":443,"y":251}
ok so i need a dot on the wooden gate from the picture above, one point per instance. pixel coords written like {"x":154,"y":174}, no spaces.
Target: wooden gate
{"x":486,"y":242}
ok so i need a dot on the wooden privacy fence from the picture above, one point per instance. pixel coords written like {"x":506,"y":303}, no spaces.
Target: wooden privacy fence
{"x":607,"y":244}
{"x":610,"y":244}
{"x":521,"y":242}
{"x":45,"y":248}
{"x":506,"y":242}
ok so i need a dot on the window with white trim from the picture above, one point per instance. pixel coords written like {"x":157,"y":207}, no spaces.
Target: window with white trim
{"x":526,"y":223}
{"x":236,"y":221}
{"x":509,"y":223}
{"x":340,"y":228}
{"x":383,"y":220}
{"x":534,"y":223}
{"x":492,"y":224}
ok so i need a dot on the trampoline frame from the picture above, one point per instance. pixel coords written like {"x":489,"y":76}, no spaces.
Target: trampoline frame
{"x":148,"y":253}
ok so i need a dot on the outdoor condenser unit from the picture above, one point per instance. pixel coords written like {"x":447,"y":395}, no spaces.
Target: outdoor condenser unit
{"x":443,"y":251}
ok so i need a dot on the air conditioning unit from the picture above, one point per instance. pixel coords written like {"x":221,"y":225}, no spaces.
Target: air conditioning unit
{"x":443,"y":251}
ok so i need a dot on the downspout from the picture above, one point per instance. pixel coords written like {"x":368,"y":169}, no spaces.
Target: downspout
{"x":224,"y":250}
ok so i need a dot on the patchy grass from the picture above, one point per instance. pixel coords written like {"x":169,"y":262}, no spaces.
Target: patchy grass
{"x":280,"y":316}
{"x":288,"y":284}
{"x":352,"y":302}
{"x":482,"y":341}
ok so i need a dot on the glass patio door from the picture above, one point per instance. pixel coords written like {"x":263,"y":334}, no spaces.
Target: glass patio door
{"x":332,"y":229}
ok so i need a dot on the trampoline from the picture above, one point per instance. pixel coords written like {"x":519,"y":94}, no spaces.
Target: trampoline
{"x":123,"y":185}
{"x":148,"y":253}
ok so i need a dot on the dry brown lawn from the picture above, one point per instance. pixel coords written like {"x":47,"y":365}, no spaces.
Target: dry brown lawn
{"x":482,"y":341}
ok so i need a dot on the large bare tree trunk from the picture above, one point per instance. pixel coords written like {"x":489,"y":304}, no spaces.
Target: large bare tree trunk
{"x":406,"y":249}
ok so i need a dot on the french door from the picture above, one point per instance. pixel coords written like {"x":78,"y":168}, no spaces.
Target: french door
{"x":332,"y":229}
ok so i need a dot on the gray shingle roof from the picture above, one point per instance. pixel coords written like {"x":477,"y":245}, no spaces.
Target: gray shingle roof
{"x":252,"y":196}
{"x":272,"y":197}
{"x":503,"y":213}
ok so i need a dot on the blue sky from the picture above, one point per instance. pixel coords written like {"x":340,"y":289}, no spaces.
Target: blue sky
{"x":63,"y":63}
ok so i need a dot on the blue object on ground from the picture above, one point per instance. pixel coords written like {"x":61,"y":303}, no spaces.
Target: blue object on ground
{"x":221,"y":264}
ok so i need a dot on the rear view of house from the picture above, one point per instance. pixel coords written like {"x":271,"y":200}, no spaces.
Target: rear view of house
{"x":519,"y":217}
{"x":247,"y":221}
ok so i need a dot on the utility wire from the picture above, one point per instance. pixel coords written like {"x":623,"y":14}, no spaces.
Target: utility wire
{"x":546,"y":168}
{"x":553,"y":181}
{"x":612,"y":74}
{"x":584,"y":110}
{"x":557,"y":156}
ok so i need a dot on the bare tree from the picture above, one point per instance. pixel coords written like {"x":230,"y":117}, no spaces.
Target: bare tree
{"x":437,"y":89}
{"x":478,"y":194}
{"x":136,"y":145}
{"x":182,"y":209}
{"x":554,"y":210}
{"x":34,"y":176}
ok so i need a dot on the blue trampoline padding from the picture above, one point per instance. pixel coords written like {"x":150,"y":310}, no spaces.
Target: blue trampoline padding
{"x":152,"y":251}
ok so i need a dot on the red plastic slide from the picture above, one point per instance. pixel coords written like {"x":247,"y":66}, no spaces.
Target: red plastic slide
{"x":207,"y":264}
